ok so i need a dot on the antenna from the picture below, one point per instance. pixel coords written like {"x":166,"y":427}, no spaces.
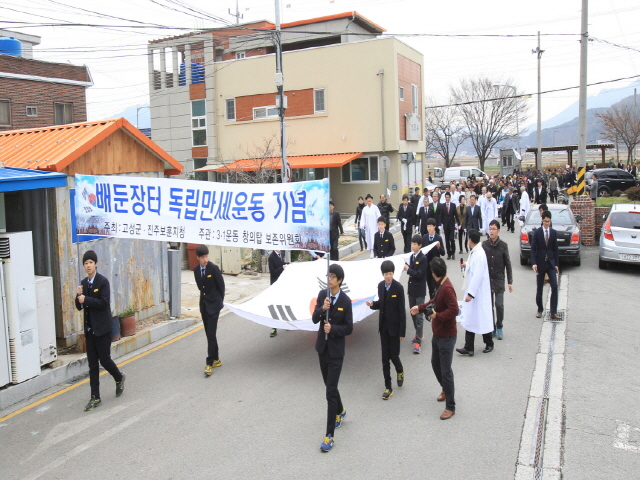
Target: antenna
{"x":237,"y":15}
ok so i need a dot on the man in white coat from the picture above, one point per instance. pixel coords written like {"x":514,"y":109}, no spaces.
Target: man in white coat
{"x":525,"y":204}
{"x":477,"y":311}
{"x":489,"y":211}
{"x":369,"y":221}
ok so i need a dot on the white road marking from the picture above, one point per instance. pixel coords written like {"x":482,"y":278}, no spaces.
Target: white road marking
{"x":623,"y":436}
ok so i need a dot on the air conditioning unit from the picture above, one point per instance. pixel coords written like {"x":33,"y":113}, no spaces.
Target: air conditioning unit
{"x":46,"y":320}
{"x":16,"y":254}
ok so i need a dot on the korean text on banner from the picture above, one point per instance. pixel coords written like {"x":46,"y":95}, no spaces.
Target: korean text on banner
{"x":279,"y":216}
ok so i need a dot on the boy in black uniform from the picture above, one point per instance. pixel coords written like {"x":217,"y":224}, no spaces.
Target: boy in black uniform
{"x":391,"y":325}
{"x":383,"y":244}
{"x":417,"y":287}
{"x":94,"y":297}
{"x":330,"y":346}
{"x":211,"y":285}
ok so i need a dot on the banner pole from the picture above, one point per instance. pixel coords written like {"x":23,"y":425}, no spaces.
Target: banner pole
{"x":326,"y":320}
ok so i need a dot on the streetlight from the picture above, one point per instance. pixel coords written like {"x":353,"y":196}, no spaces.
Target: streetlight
{"x":515,"y":94}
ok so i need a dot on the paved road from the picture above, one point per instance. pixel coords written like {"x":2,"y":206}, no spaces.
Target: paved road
{"x":261,"y":415}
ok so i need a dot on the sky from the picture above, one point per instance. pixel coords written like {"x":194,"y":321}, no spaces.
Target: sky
{"x":459,"y":39}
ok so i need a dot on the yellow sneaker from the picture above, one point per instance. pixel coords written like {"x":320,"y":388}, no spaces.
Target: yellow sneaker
{"x":217,"y":363}
{"x":208,"y":370}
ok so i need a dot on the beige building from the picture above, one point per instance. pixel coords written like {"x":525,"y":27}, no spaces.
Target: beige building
{"x":352,"y":98}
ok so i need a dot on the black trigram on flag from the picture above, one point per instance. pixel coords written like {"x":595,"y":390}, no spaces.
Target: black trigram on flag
{"x":278,"y":312}
{"x":323,"y":285}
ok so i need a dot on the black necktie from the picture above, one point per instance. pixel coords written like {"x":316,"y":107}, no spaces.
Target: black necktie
{"x":333,"y":299}
{"x":90,"y":284}
{"x":413,"y":258}
{"x":202,"y":272}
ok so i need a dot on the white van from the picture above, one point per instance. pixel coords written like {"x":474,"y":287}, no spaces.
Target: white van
{"x":453,"y":174}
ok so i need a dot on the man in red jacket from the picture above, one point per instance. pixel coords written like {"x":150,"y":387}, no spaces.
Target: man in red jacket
{"x":442,"y":310}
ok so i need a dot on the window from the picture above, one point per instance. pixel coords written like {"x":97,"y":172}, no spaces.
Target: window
{"x":402,"y":94}
{"x":240,"y":55}
{"x":62,"y":113}
{"x":318,"y":100}
{"x":32,"y":111}
{"x":260,"y":113}
{"x":363,"y":169}
{"x":231,"y":109}
{"x":414,"y":98}
{"x":5,"y":112}
{"x":199,"y":123}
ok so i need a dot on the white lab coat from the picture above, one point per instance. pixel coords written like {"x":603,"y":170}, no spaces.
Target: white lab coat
{"x":478,"y":313}
{"x":489,"y":212}
{"x":369,"y":221}
{"x":525,"y":206}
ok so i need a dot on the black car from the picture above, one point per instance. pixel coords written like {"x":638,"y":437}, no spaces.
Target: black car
{"x":563,"y":222}
{"x":612,"y":179}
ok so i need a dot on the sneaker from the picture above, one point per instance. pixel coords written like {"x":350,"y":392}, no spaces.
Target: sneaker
{"x":387,"y":394}
{"x":500,"y":336}
{"x":416,"y":348}
{"x":401,"y":378}
{"x":495,"y":334}
{"x":327,"y":444}
{"x":274,"y":332}
{"x":208,"y":370}
{"x":120,"y":386}
{"x":340,"y":418}
{"x":93,"y":403}
{"x":216,"y":363}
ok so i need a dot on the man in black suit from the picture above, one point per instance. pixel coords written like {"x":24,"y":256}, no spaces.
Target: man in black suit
{"x":383,"y":244}
{"x":539,"y":193}
{"x":545,"y":259}
{"x":93,"y":296}
{"x":423,"y":216}
{"x":474,"y":215}
{"x":415,"y":200}
{"x":211,"y":285}
{"x":335,"y":230}
{"x":511,"y":206}
{"x":391,"y":325}
{"x":406,"y":215}
{"x":276,"y":267}
{"x":417,"y":287}
{"x":435,"y":211}
{"x":334,"y":326}
{"x":449,"y":217}
{"x":437,"y":251}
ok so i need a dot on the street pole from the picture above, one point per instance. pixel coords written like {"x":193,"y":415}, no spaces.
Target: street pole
{"x":539,"y":149}
{"x":281,"y":98}
{"x":384,"y":148}
{"x":582,"y":108}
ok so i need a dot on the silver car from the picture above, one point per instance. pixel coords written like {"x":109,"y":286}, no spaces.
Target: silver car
{"x":620,"y":237}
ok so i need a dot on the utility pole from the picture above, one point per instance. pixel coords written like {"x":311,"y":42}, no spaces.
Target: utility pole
{"x":582,"y":107}
{"x":384,"y":148}
{"x":281,"y":99}
{"x":539,"y":149}
{"x":237,"y":14}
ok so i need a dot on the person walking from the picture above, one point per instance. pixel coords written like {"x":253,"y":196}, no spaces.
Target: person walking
{"x":593,"y":188}
{"x":335,"y":230}
{"x":442,"y":310}
{"x":383,"y":244}
{"x":462,"y":216}
{"x":437,"y":251}
{"x":417,"y":287}
{"x":540,"y":193}
{"x":406,"y":216}
{"x":510,"y":207}
{"x":545,"y":260}
{"x":477,"y":312}
{"x":525,"y":205}
{"x":489,"y":211}
{"x":361,"y":234}
{"x":449,"y":218}
{"x":553,"y":188}
{"x":370,"y":215}
{"x":435,"y":211}
{"x":277,"y":265}
{"x":474,"y":215}
{"x":386,"y":209}
{"x":498,"y":260}
{"x":423,"y":216}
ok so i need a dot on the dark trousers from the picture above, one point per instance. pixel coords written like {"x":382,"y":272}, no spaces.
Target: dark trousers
{"x":406,"y":235}
{"x":497,"y":301}
{"x":333,"y":252}
{"x":210,"y":322}
{"x":418,"y":319}
{"x":362,"y":238}
{"x":461,"y":234}
{"x":441,"y":357}
{"x":390,"y":351}
{"x":470,"y":338}
{"x":331,"y":368}
{"x":545,"y":267}
{"x":553,"y":196}
{"x":450,"y":239}
{"x":99,"y":350}
{"x":510,"y":221}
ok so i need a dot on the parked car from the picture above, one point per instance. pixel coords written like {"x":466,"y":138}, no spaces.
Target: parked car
{"x":453,"y":174}
{"x":612,"y":179}
{"x":563,"y":222}
{"x":620,"y":237}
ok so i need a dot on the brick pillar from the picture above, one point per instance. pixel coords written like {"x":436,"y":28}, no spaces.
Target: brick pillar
{"x":600,"y":211}
{"x":585,"y":207}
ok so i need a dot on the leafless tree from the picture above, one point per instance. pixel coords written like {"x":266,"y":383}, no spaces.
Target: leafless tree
{"x":444,"y":130}
{"x":622,"y":122}
{"x":261,"y":164}
{"x":491,"y":113}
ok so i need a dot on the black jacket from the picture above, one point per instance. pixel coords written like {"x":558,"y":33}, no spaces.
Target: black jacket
{"x":417,"y":284}
{"x":435,"y":213}
{"x":97,"y":305}
{"x":391,"y":305}
{"x":211,"y":288}
{"x":386,"y":209}
{"x":473,"y":221}
{"x":511,"y":203}
{"x":341,"y":320}
{"x":540,"y":251}
{"x":408,"y":213}
{"x":449,"y":219}
{"x":276,"y":266}
{"x":415,"y":200}
{"x":359,"y":214}
{"x":498,"y":260}
{"x":383,"y":246}
{"x":335,"y":226}
{"x":421,"y":219}
{"x":538,"y":197}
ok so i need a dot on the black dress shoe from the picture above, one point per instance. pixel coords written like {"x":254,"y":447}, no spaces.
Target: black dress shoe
{"x":453,"y":257}
{"x":464,"y":351}
{"x":460,"y":252}
{"x":448,"y":257}
{"x":488,"y":349}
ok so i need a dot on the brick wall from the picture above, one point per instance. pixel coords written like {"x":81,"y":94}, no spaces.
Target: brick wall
{"x":599,"y":212}
{"x":409,"y":72}
{"x":585,"y":207}
{"x":39,"y":68}
{"x":23,"y":93}
{"x":300,"y":102}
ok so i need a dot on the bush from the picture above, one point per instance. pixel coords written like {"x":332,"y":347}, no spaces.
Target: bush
{"x":617,"y":193}
{"x":605,"y":195}
{"x":633,"y":194}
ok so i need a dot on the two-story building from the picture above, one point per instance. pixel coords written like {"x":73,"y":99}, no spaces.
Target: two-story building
{"x":353,"y":96}
{"x":35,"y":93}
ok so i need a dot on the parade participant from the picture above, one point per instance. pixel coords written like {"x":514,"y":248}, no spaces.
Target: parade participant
{"x":553,"y":188}
{"x":449,"y":219}
{"x":276,"y":267}
{"x":423,"y":216}
{"x":370,"y":215}
{"x":510,"y":208}
{"x":391,"y":325}
{"x":498,"y":260}
{"x":406,"y":216}
{"x":540,"y":193}
{"x":330,"y":345}
{"x":386,"y":209}
{"x":415,"y":201}
{"x":525,"y":205}
{"x":437,"y":251}
{"x":474,"y":215}
{"x":489,"y":211}
{"x":435,"y":211}
{"x":462,"y":216}
{"x":93,"y":297}
{"x":335,"y":230}
{"x":417,"y":287}
{"x":383,"y":243}
{"x":361,"y":235}
{"x":545,"y":259}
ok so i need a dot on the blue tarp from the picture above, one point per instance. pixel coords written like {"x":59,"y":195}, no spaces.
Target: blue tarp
{"x":13,"y":179}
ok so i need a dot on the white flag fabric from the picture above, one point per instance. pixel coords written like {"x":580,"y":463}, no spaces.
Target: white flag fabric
{"x":288,"y":304}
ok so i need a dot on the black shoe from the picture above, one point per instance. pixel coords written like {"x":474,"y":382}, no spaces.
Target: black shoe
{"x":460,"y":252}
{"x":453,"y":257}
{"x":448,"y":257}
{"x":93,"y":403}
{"x":120,"y":386}
{"x":464,"y":351}
{"x":466,"y":249}
{"x":488,"y":349}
